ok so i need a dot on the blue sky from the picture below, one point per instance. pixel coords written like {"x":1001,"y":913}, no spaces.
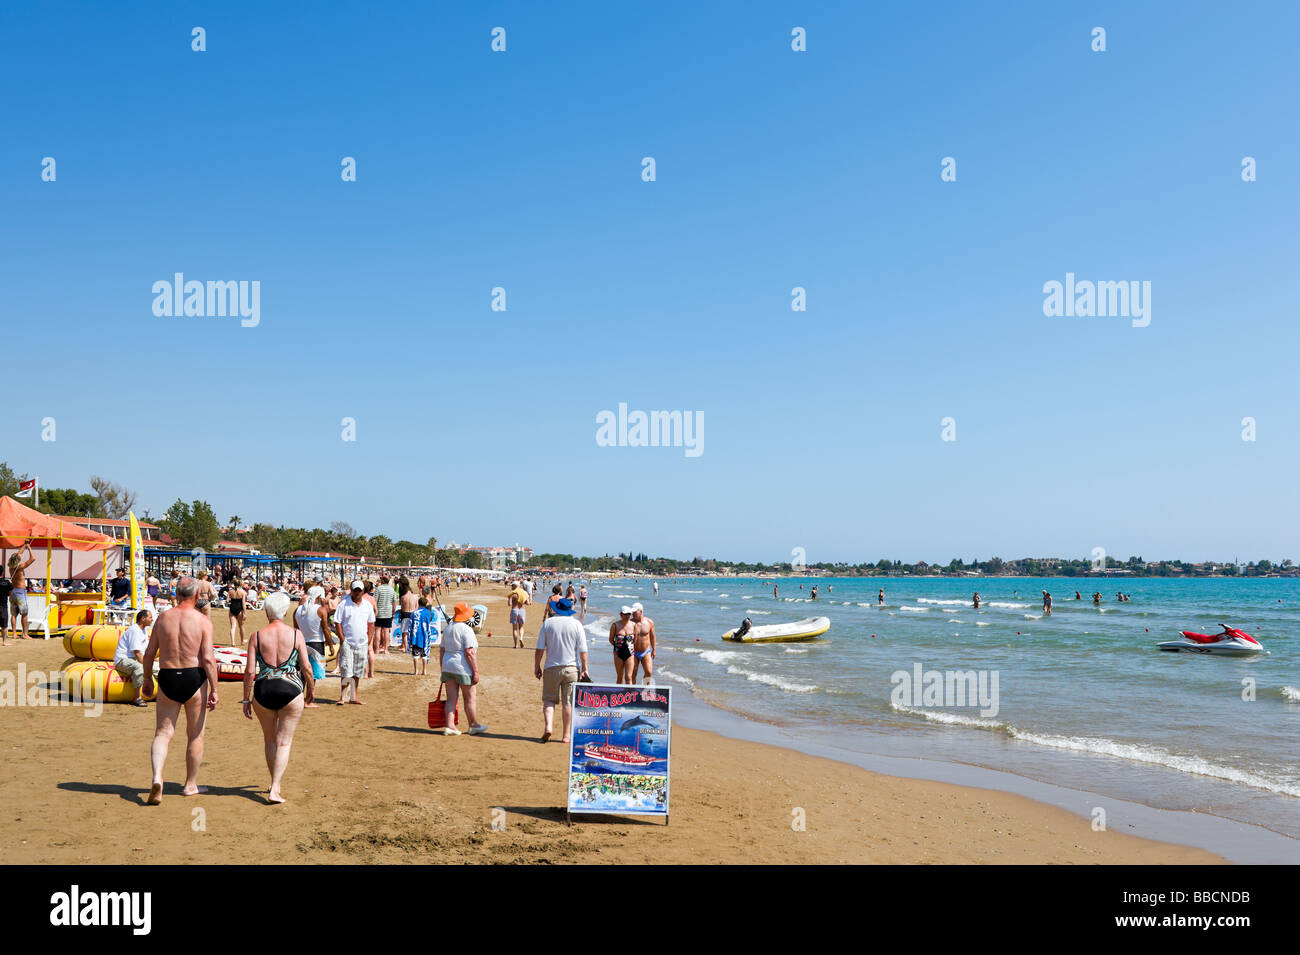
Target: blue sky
{"x":775,"y":169}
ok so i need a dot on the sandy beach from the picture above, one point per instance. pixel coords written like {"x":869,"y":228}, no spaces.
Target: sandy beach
{"x":372,"y":784}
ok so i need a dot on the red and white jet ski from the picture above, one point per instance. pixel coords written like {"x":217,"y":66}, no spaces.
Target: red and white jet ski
{"x":1231,"y":642}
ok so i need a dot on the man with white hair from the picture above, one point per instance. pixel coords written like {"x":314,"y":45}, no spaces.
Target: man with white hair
{"x":352,"y":621}
{"x":643,"y":645}
{"x":181,"y":642}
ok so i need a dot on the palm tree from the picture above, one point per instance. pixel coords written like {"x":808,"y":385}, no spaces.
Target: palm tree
{"x":234,"y":527}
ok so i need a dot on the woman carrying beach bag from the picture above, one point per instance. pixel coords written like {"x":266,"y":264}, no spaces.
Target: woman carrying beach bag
{"x":459,"y":661}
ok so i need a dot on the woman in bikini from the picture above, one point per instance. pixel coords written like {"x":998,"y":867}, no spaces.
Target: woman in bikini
{"x":277,"y":684}
{"x":236,"y":596}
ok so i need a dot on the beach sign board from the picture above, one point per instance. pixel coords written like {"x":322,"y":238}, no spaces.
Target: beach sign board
{"x":618,"y":757}
{"x":137,"y":564}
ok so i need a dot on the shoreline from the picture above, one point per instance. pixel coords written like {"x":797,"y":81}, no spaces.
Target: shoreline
{"x":372,"y":784}
{"x":1164,"y":800}
{"x":1235,"y":841}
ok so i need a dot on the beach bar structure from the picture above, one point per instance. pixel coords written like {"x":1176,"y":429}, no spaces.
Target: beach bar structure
{"x":164,"y":561}
{"x":320,"y":563}
{"x":70,"y":551}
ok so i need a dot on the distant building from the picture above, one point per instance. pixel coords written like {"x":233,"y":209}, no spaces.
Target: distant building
{"x":514,"y":555}
{"x":232,"y":547}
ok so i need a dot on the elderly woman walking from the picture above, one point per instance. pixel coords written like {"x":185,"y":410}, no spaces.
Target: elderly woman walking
{"x":277,"y":682}
{"x":459,"y":660}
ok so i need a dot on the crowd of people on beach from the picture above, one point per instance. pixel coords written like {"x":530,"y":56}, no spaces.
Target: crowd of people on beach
{"x":286,"y":659}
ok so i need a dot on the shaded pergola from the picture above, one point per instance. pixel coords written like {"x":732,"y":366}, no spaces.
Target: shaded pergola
{"x":21,"y":526}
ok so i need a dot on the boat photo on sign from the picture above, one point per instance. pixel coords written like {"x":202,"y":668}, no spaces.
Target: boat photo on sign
{"x":618,"y":761}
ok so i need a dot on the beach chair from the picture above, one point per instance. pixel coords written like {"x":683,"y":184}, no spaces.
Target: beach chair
{"x":38,"y":615}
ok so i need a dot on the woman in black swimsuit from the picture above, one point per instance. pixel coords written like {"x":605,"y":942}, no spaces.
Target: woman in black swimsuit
{"x":277,"y":684}
{"x":237,"y":593}
{"x":619,"y":638}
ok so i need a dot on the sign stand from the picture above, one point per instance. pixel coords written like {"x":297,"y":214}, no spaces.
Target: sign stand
{"x":619,"y":751}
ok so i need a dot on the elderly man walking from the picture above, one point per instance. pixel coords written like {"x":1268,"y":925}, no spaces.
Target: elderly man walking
{"x":352,"y":621}
{"x":562,"y":647}
{"x":181,"y":642}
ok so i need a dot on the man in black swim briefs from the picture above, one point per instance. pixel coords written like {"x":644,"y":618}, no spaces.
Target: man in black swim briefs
{"x":181,"y":642}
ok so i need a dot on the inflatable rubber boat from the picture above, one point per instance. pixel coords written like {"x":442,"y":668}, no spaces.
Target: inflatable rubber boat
{"x":807,"y":629}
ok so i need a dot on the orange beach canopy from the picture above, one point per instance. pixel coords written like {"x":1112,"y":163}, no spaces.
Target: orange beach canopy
{"x":21,"y":525}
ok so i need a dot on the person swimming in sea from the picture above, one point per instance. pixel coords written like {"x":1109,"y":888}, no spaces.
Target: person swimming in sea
{"x":977,"y":600}
{"x":1047,"y":604}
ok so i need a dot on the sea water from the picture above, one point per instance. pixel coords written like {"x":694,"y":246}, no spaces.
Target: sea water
{"x":1084,"y":698}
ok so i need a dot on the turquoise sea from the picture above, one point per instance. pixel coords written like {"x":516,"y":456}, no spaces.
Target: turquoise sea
{"x":1084,"y":700}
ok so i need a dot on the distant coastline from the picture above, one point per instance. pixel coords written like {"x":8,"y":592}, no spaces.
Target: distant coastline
{"x":641,"y":565}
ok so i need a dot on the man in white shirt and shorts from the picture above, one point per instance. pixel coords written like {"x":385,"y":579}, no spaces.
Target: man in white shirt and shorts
{"x":562,"y":646}
{"x":128,"y":657}
{"x":352,"y":622}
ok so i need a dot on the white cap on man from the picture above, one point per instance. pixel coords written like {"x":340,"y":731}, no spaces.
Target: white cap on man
{"x":358,"y":585}
{"x":637,"y":606}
